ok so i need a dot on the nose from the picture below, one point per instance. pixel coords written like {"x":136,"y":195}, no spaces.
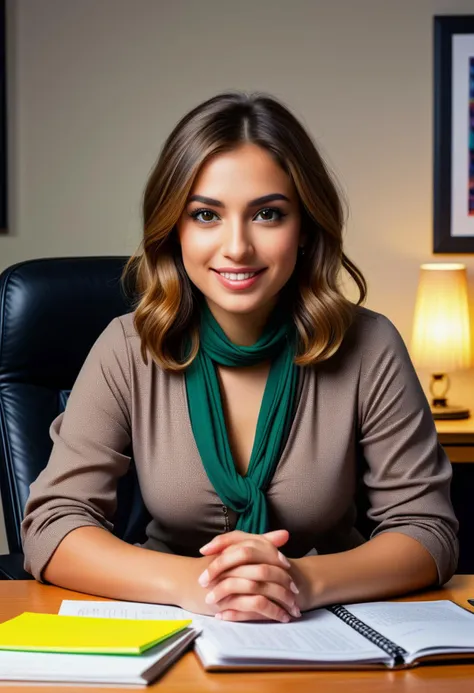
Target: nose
{"x":237,"y":241}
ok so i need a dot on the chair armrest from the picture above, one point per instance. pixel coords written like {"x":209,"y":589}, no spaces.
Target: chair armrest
{"x":11,"y":567}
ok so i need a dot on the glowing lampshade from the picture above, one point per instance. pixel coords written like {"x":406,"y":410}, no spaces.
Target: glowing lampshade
{"x":441,"y":335}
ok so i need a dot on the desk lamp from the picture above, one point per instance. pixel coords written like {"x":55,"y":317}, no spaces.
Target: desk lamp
{"x":441,"y":336}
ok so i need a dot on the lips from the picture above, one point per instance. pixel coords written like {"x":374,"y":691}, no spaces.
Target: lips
{"x":238,"y":276}
{"x":239,"y":270}
{"x":238,"y":281}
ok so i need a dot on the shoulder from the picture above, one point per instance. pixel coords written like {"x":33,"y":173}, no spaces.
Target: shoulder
{"x":370,"y":324}
{"x":113,"y":343}
{"x":372,"y":343}
{"x":122,"y":338}
{"x":126,"y":323}
{"x":119,"y":329}
{"x":380,"y":357}
{"x":372,"y":333}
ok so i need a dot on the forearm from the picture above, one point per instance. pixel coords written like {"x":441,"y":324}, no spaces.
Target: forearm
{"x":92,"y":560}
{"x":389,"y":565}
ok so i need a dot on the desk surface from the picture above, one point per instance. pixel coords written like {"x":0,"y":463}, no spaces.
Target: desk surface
{"x":188,"y":675}
{"x":457,"y":432}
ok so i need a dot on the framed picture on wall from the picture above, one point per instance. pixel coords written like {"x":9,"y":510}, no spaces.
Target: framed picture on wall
{"x":453,"y":193}
{"x":3,"y":123}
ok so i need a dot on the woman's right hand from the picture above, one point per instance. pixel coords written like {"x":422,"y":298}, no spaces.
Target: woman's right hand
{"x":252,"y":590}
{"x":190,"y":595}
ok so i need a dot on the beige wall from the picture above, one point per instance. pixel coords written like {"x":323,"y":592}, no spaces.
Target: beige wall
{"x":95,"y":86}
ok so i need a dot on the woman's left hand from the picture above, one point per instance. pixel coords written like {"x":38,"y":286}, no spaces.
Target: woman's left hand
{"x":251,"y":565}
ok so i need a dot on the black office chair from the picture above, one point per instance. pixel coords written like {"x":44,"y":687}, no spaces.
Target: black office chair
{"x":51,"y":312}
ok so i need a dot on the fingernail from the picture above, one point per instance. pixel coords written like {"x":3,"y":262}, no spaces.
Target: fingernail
{"x":206,"y":546}
{"x":219,"y":616}
{"x":295,"y":611}
{"x":283,"y":559}
{"x":203,"y":579}
{"x":285,"y":618}
{"x":210,"y":598}
{"x":294,"y":588}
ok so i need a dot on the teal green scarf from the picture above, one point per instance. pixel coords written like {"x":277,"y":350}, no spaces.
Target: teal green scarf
{"x":244,"y":495}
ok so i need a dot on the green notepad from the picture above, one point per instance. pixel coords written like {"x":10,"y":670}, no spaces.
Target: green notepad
{"x":76,"y":634}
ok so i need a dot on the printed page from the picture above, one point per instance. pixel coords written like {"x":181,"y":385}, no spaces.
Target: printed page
{"x":318,"y":636}
{"x":72,"y":607}
{"x":436,"y":626}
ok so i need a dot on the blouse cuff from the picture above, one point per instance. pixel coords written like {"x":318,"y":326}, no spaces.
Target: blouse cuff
{"x":444,"y":553}
{"x":39,"y":552}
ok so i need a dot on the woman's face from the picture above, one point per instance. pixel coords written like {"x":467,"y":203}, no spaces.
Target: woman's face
{"x":239,"y":232}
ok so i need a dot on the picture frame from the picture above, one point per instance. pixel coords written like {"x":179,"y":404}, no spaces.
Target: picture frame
{"x":3,"y":124}
{"x":453,"y":175}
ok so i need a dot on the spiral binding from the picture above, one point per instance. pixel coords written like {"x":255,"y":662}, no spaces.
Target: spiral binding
{"x":374,"y":636}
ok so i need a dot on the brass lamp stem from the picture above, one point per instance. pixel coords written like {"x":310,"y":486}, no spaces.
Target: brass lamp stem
{"x":439,"y":386}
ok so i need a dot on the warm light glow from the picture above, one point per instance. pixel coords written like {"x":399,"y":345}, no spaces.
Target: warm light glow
{"x":443,"y":266}
{"x":441,"y":337}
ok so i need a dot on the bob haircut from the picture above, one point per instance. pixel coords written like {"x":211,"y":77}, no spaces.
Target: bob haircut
{"x":167,"y":306}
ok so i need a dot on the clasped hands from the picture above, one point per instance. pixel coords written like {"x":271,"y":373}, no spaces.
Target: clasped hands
{"x":249,"y":578}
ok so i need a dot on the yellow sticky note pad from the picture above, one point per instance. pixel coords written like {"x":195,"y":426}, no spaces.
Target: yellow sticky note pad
{"x":80,"y":634}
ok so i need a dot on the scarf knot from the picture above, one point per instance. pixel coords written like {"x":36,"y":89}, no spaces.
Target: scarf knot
{"x":249,"y":492}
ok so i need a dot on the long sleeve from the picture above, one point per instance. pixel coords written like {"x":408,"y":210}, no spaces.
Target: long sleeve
{"x":407,"y":474}
{"x":78,"y":486}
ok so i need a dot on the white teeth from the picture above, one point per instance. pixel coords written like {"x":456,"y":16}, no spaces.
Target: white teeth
{"x":237,"y":276}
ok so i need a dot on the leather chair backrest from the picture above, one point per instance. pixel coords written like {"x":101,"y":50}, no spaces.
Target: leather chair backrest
{"x":51,"y":312}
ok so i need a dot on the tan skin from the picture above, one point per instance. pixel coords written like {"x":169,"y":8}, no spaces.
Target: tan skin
{"x":241,"y":576}
{"x":242,"y":393}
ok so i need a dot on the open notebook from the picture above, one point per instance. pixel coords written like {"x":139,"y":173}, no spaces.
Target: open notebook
{"x":375,"y":634}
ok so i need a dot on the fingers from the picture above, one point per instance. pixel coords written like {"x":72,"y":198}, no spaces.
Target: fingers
{"x":223,"y":541}
{"x":259,"y":573}
{"x":234,"y":615}
{"x":257,"y":604}
{"x":243,"y":554}
{"x":278,"y":537}
{"x":235,"y":587}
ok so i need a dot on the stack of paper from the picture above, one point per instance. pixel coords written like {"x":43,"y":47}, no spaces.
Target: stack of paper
{"x":72,"y":649}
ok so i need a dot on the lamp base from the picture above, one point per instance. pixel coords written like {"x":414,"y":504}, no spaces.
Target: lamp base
{"x":440,"y":409}
{"x":447,"y":412}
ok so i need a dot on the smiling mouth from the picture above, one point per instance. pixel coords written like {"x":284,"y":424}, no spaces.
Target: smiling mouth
{"x":239,"y":276}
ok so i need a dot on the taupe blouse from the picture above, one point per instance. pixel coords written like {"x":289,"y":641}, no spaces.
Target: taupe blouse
{"x":361,"y":417}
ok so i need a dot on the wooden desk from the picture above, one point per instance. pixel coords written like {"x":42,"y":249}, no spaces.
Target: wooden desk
{"x":188,"y":675}
{"x":457,"y":438}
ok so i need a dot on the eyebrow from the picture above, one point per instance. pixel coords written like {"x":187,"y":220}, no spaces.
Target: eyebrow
{"x":253,"y":203}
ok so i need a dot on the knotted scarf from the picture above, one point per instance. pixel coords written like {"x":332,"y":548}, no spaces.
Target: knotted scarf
{"x":243,"y":494}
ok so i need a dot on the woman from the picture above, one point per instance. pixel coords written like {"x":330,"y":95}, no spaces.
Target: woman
{"x":257,"y":398}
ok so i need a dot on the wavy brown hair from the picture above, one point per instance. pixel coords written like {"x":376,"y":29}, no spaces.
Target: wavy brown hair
{"x":167,"y":307}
